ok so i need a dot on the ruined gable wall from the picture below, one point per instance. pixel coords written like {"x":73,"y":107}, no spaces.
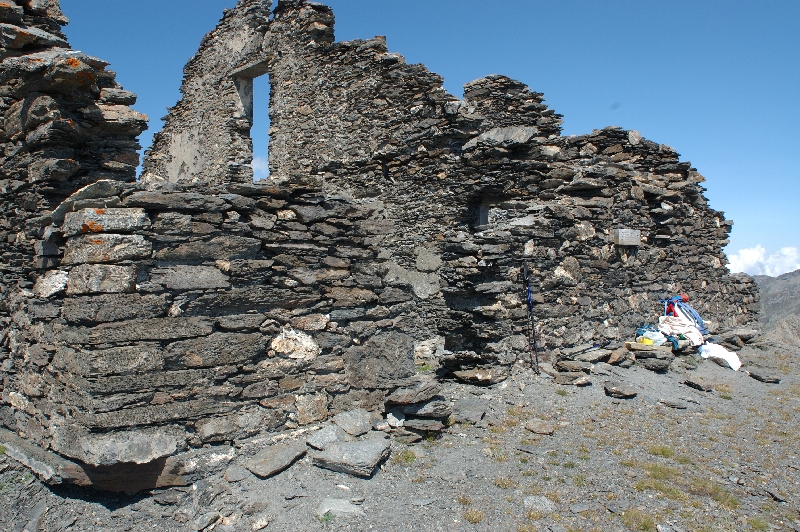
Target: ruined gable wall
{"x":206,"y":137}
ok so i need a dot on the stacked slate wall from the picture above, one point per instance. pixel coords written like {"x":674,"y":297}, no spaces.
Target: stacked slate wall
{"x":198,"y":308}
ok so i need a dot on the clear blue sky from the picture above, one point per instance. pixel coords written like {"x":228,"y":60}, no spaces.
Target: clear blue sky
{"x":717,"y":80}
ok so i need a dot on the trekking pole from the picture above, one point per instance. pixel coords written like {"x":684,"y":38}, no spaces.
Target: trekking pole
{"x":532,"y":339}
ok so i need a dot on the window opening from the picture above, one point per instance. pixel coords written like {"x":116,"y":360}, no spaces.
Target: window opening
{"x":259,"y":131}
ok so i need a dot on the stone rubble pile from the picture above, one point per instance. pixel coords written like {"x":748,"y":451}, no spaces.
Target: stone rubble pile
{"x":146,"y":326}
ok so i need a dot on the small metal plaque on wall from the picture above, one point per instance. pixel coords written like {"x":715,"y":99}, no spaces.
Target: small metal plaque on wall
{"x":627,"y":237}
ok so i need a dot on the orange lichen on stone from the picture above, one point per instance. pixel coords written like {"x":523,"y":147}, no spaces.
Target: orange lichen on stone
{"x":74,"y":63}
{"x":92,"y":227}
{"x":100,"y":211}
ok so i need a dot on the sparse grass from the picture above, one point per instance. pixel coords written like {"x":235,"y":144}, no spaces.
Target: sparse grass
{"x":661,"y":450}
{"x":327,"y":517}
{"x":668,"y":490}
{"x":569,"y":465}
{"x":562,"y":392}
{"x":529,"y":473}
{"x":473,"y":516}
{"x":638,"y":520}
{"x":715,"y":491}
{"x":533,"y":489}
{"x":660,"y":472}
{"x":463,"y":500}
{"x":533,"y":515}
{"x":405,"y":457}
{"x":498,"y":429}
{"x":2,"y":449}
{"x":504,"y":483}
{"x":756,"y":523}
{"x":553,"y":496}
{"x":527,"y":528}
{"x":579,"y":480}
{"x":424,"y":368}
{"x":685,"y":460}
{"x":418,"y":480}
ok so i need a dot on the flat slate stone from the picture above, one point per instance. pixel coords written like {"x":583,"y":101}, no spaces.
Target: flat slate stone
{"x":236,"y":473}
{"x":763,"y":377}
{"x":359,"y":458}
{"x":620,"y":391}
{"x":468,"y":411}
{"x":354,"y":422}
{"x":414,"y":394}
{"x":274,"y":459}
{"x":338,"y":508}
{"x":324,"y":437}
{"x":436,"y":408}
{"x":430,"y":425}
{"x":538,"y":426}
{"x":697,"y":385}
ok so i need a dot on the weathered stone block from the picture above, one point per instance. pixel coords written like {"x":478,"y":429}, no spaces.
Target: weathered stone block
{"x":239,"y":425}
{"x":219,"y":349}
{"x":138,"y":330}
{"x":138,"y":446}
{"x":189,"y":277}
{"x":101,"y":278}
{"x":177,"y":201}
{"x":221,"y":247}
{"x":51,"y":283}
{"x":106,"y":248}
{"x":381,"y":361}
{"x":104,"y":220}
{"x":129,"y":359}
{"x":113,"y":307}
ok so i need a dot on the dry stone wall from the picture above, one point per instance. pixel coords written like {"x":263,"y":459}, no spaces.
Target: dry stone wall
{"x":141,"y":320}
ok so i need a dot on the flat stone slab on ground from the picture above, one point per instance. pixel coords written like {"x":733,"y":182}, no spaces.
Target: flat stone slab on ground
{"x":359,"y":458}
{"x":275,"y":459}
{"x":620,"y":391}
{"x":354,"y":422}
{"x":236,"y":473}
{"x":538,"y":426}
{"x":765,"y":378}
{"x":338,"y":508}
{"x":468,"y":411}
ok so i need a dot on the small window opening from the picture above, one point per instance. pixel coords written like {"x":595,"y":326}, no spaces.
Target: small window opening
{"x":483,"y":214}
{"x":260,"y":129}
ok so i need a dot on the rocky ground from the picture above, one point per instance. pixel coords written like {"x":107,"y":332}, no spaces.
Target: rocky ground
{"x":535,"y":457}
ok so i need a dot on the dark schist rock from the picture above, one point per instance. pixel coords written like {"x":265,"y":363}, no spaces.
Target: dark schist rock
{"x":620,"y":391}
{"x":274,"y":459}
{"x":358,"y":458}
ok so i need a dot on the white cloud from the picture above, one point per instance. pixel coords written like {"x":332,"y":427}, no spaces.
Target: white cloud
{"x":260,"y":168}
{"x":755,"y":261}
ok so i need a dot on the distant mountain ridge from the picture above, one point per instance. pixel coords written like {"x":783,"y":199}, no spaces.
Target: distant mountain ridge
{"x":780,"y":298}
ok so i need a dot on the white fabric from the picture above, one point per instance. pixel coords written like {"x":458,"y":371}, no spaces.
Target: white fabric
{"x":675,"y":325}
{"x":719,"y":352}
{"x":657,"y":337}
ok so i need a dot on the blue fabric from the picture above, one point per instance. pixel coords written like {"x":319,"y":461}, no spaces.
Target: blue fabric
{"x":688,"y":310}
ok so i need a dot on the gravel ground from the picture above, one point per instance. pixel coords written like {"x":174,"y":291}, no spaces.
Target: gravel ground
{"x":726,"y":460}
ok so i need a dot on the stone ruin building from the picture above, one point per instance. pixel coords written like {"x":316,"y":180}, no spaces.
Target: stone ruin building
{"x":146,"y":321}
